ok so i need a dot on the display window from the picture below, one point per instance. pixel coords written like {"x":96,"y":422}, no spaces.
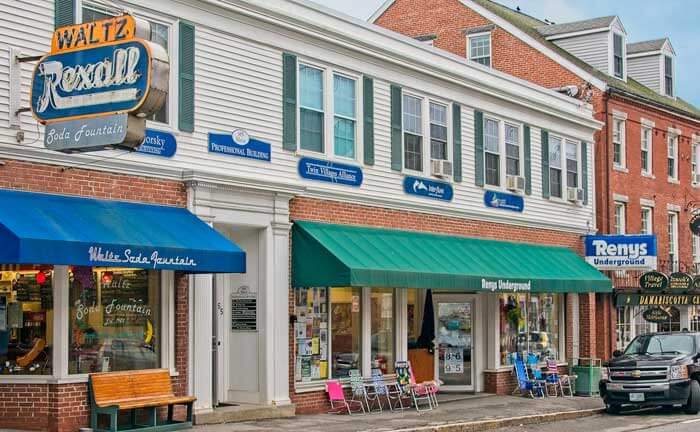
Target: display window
{"x":311,"y":334}
{"x":382,"y":327}
{"x":529,"y":325}
{"x":114,"y":321}
{"x":26,"y":320}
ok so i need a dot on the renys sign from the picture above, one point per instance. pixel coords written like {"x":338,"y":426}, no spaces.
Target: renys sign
{"x":618,"y":252}
{"x":100,"y":69}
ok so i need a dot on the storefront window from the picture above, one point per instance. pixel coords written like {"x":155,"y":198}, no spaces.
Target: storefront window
{"x":114,"y":319}
{"x":529,"y":324}
{"x":26,"y":320}
{"x":694,"y":315}
{"x":311,"y":334}
{"x":382,"y":300}
{"x":346,"y":330}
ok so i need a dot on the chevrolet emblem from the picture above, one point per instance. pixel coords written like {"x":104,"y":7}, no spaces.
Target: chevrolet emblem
{"x":636,"y":373}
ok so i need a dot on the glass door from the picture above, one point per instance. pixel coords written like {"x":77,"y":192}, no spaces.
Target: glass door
{"x":454,"y":342}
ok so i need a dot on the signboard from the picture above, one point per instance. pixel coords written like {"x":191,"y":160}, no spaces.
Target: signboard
{"x":621,"y":252}
{"x":97,"y":33}
{"x":504,"y":201}
{"x":657,"y":300}
{"x":428,"y":188}
{"x":653,"y":281}
{"x":239,"y":143}
{"x":244,"y":310}
{"x":679,"y":281}
{"x":454,"y":360}
{"x":94,"y":133}
{"x":158,"y":143}
{"x":656,"y":315}
{"x":695,"y":287}
{"x":695,"y":222}
{"x":331,"y":172}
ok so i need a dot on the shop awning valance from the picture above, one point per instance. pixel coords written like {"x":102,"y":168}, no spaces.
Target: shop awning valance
{"x":38,"y":228}
{"x":341,"y":255}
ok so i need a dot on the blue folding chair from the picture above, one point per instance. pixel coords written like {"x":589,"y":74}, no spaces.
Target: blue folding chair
{"x":526,"y":385}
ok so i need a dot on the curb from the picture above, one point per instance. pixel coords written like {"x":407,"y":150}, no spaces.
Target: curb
{"x":476,"y":426}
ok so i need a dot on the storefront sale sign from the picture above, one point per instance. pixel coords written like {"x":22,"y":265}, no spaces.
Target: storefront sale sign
{"x":621,"y":252}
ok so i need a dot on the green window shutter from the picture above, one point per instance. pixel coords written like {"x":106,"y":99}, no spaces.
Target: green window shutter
{"x":457,"y":142}
{"x":528,"y":159}
{"x":545,"y":163}
{"x":396,"y":157}
{"x":289,"y":102}
{"x":186,"y":78}
{"x":584,"y":171}
{"x":479,"y":148}
{"x":64,"y":13}
{"x":368,"y":123}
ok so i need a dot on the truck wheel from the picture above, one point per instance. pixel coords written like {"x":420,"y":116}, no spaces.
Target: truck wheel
{"x":693,"y":404}
{"x":612,"y":408}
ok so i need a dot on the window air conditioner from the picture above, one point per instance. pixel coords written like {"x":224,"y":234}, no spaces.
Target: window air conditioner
{"x":515,"y":183}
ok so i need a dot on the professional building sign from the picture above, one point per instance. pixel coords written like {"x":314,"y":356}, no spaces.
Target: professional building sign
{"x":94,"y":70}
{"x":158,"y":143}
{"x":244,"y":310}
{"x":504,"y":201}
{"x":621,"y":252}
{"x":331,"y":172}
{"x":239,"y":143}
{"x":428,"y":188}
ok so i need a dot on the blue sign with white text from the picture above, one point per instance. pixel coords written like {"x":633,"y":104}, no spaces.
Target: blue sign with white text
{"x":332,"y":172}
{"x":238,"y":143}
{"x":101,"y":80}
{"x":504,"y":201}
{"x":428,"y":188}
{"x":158,"y":143}
{"x":621,"y":252}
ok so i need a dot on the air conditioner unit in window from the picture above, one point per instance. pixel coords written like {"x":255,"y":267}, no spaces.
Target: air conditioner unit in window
{"x":574,"y":194}
{"x":515,"y":183}
{"x":440,"y":168}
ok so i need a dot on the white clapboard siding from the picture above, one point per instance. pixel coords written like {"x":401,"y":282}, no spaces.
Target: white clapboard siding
{"x":238,"y":84}
{"x":592,"y":48}
{"x":647,"y":70}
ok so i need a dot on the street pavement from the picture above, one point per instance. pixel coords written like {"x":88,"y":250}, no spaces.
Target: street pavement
{"x":653,"y":420}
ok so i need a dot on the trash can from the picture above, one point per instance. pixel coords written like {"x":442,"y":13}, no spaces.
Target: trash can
{"x":588,"y":373}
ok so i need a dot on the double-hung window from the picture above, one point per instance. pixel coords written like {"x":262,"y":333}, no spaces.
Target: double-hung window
{"x":646,"y":150}
{"x":512,"y":134}
{"x":311,"y":114}
{"x":673,"y":240}
{"x":668,"y":75}
{"x":619,"y":143}
{"x":694,"y":163}
{"x":620,"y":211}
{"x":555,"y":168}
{"x":438,"y":131}
{"x":672,"y":157}
{"x":646,"y":220}
{"x":345,"y":117}
{"x":571,"y":164}
{"x":492,"y":156}
{"x":618,"y":55}
{"x":413,"y":132}
{"x":480,"y":49}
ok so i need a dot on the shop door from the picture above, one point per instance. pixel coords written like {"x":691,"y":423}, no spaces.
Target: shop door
{"x":454,"y":342}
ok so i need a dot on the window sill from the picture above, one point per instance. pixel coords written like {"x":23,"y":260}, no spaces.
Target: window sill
{"x":48,"y":379}
{"x":648,"y":175}
{"x":673,"y":180}
{"x":620,"y":169}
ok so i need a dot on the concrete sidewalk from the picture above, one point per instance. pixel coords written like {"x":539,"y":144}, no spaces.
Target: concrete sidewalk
{"x":473,"y":413}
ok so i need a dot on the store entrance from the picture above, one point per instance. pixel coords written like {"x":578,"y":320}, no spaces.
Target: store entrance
{"x":454,"y":341}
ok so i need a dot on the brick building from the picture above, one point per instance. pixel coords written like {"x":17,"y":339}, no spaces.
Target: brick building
{"x":646,"y":152}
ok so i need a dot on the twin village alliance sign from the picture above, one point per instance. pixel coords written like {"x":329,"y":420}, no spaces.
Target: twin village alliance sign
{"x":98,"y":84}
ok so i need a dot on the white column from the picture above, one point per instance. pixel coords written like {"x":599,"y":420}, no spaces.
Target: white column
{"x":202,"y":378}
{"x":493,"y":331}
{"x":61,"y":318}
{"x":277,"y":339}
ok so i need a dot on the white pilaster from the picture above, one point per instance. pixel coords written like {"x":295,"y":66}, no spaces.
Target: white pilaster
{"x":203,"y":292}
{"x":61,"y":321}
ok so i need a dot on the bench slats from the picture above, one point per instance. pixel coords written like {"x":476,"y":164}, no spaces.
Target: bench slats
{"x":131,"y":389}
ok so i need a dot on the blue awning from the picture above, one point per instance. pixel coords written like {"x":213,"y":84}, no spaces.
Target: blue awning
{"x":38,"y":228}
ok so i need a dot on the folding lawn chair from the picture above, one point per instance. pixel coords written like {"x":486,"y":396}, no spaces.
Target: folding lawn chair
{"x":339,"y":404}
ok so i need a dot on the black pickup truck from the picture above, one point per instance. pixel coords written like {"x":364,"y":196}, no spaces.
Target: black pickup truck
{"x":657,"y":369}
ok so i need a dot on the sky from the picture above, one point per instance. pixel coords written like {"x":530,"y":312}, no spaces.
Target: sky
{"x":643,"y":20}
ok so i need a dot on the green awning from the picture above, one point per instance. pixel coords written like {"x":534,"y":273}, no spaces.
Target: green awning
{"x":342,"y":255}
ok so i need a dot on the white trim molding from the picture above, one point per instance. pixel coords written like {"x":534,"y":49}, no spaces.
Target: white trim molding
{"x":647,"y":202}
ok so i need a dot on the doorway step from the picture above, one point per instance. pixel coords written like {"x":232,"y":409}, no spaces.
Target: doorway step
{"x":234,"y":413}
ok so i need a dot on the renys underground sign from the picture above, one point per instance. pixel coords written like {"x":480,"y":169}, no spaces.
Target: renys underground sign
{"x":102,"y":70}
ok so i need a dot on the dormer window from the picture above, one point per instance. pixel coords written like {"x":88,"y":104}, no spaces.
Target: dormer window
{"x":668,"y":76}
{"x":618,"y":56}
{"x":480,"y":48}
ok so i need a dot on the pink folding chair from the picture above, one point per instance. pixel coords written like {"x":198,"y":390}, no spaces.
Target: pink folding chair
{"x":339,"y":404}
{"x":428,"y":387}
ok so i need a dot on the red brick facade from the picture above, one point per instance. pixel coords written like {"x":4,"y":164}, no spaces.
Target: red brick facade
{"x":64,"y":407}
{"x":501,"y":382}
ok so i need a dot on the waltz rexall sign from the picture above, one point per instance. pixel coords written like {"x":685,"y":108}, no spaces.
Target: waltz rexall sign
{"x":620,"y":252}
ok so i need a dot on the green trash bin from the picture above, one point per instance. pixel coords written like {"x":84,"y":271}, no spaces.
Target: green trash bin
{"x":588,"y":373}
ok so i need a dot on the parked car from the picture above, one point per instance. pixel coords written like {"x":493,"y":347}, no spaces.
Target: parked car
{"x":657,"y":369}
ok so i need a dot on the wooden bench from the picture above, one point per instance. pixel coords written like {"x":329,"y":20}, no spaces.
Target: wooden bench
{"x":114,"y":392}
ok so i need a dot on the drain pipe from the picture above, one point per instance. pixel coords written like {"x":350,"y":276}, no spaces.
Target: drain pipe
{"x":611,"y":309}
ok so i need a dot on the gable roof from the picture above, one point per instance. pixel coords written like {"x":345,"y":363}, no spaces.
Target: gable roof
{"x":576,"y":26}
{"x":650,"y":46}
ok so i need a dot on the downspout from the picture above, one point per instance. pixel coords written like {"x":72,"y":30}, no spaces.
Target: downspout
{"x":611,"y":308}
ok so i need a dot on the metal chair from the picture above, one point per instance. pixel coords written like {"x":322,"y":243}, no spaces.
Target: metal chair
{"x":339,"y":404}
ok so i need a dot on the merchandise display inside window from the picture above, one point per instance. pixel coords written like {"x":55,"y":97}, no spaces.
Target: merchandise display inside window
{"x":529,"y":324}
{"x":382,"y":327}
{"x":311,"y":334}
{"x":26,"y":320}
{"x":114,"y":319}
{"x":346,"y":330}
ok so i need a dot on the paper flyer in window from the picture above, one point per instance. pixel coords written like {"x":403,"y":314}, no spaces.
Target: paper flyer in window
{"x":323,"y":336}
{"x":300,"y":330}
{"x":314,"y":346}
{"x":297,"y":369}
{"x":323,"y":366}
